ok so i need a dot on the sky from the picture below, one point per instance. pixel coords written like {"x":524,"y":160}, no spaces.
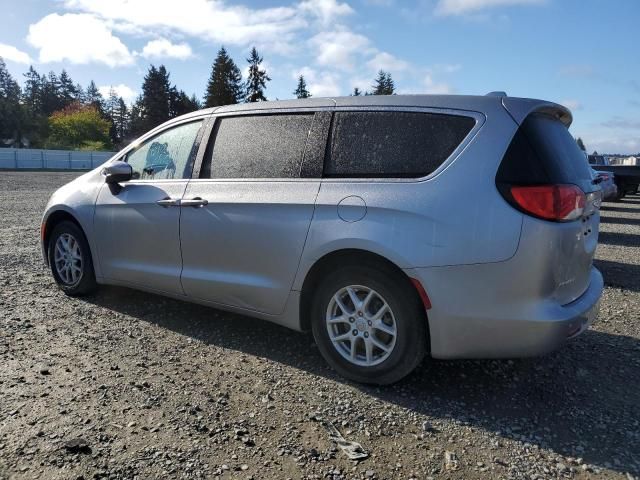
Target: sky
{"x":580,"y":53}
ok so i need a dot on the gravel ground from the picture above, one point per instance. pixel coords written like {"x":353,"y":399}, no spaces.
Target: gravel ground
{"x":125,"y":384}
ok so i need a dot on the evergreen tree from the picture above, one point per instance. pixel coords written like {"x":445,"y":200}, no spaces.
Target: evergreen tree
{"x":32,"y":95}
{"x":68,"y":91}
{"x":257,"y":80}
{"x":121,"y":122}
{"x":92,"y":96}
{"x":581,"y":144}
{"x":110,"y":108}
{"x":51,"y":95}
{"x":225,"y":83}
{"x":12,"y":112}
{"x":301,"y":91}
{"x":181,"y":103}
{"x":156,"y":97}
{"x":137,"y":121}
{"x":356,"y":92}
{"x":80,"y":96}
{"x":384,"y":84}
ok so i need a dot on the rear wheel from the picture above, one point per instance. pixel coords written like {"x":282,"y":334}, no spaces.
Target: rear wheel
{"x":369,"y":324}
{"x":70,"y":260}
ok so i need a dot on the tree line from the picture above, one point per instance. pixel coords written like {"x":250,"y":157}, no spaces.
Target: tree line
{"x":51,"y":111}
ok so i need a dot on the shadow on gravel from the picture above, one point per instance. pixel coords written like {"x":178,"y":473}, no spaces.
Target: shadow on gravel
{"x":620,"y":275}
{"x":617,"y":238}
{"x":579,"y":401}
{"x":616,"y":208}
{"x":620,"y":220}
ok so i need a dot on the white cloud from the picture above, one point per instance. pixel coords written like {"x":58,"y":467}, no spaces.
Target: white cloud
{"x":434,"y":87}
{"x":614,"y":143}
{"x":9,"y":52}
{"x":571,"y":104}
{"x":462,"y":7}
{"x":77,"y":38}
{"x":446,"y":67}
{"x":325,"y":10}
{"x":577,"y":70}
{"x":122,"y":90}
{"x":209,"y":20}
{"x":339,"y":48}
{"x":162,"y":48}
{"x":387,"y":62}
{"x":320,"y":84}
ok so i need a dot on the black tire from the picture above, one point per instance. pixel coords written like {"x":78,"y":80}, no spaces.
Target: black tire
{"x":86,"y":283}
{"x":411,"y":341}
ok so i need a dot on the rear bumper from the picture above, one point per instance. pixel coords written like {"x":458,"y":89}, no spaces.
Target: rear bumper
{"x":469,"y":319}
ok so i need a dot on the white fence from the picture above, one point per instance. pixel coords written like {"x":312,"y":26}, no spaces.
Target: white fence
{"x":16,"y":158}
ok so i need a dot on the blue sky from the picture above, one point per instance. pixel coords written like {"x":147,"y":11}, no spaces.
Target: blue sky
{"x":582,"y":53}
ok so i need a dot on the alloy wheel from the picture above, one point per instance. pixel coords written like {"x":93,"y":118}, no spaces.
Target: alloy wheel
{"x":361,"y":325}
{"x":67,"y":259}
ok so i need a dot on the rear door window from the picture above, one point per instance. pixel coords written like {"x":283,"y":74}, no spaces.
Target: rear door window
{"x":258,"y":146}
{"x":393,"y":144}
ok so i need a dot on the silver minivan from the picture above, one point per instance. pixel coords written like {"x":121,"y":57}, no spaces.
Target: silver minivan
{"x":392,"y":227}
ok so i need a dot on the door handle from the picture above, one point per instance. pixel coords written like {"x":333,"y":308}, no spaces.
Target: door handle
{"x":196,"y":202}
{"x":169,"y":202}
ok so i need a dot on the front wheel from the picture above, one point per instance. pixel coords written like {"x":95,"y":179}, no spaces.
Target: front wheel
{"x":70,"y":260}
{"x":369,"y":324}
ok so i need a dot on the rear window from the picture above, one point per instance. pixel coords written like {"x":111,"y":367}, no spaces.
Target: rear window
{"x":544,"y":152}
{"x":393,"y":144}
{"x":260,"y":146}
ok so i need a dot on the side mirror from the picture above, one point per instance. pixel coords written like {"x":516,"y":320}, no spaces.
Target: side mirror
{"x":117,"y":172}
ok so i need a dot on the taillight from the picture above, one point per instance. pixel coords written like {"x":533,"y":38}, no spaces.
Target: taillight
{"x":560,"y":203}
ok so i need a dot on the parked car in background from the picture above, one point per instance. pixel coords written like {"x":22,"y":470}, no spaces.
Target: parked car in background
{"x":607,"y":183}
{"x":392,"y":227}
{"x":626,"y":178}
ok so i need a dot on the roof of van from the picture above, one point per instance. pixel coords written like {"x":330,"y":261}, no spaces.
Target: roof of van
{"x":518,"y":108}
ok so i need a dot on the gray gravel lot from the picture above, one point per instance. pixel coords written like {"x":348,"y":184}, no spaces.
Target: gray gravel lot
{"x":125,"y":384}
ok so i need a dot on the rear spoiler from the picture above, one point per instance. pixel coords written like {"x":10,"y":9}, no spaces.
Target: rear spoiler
{"x":520,"y":108}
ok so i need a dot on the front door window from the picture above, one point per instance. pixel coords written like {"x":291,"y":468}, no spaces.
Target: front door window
{"x":167,"y":155}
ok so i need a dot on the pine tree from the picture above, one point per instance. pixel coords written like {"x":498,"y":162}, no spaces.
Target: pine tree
{"x":121,"y":122}
{"x":156,"y":96}
{"x":390,"y":86}
{"x":11,"y":110}
{"x":51,"y":94}
{"x":110,"y":108}
{"x":356,"y":92}
{"x":257,"y":79}
{"x":301,"y":91}
{"x":181,"y":103}
{"x":68,"y":91}
{"x":225,"y":83}
{"x":93,"y":97}
{"x":581,"y":144}
{"x":80,"y":96}
{"x":136,"y":118}
{"x":156,"y":104}
{"x":384,"y":84}
{"x":32,"y":95}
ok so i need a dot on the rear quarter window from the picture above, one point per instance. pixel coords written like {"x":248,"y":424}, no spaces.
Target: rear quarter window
{"x":543,"y":151}
{"x":393,"y":144}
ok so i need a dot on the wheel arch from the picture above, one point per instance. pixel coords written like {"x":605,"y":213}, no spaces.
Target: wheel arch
{"x":54,"y":218}
{"x":342,"y":257}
